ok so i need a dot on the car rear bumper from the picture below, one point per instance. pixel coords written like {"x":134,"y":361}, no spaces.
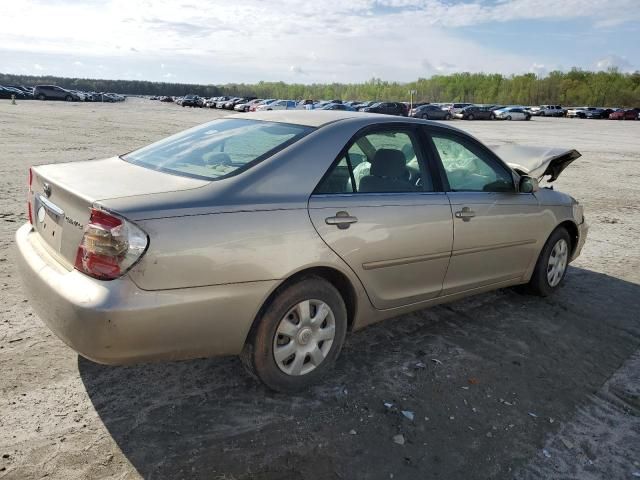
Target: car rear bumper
{"x":115,"y":322}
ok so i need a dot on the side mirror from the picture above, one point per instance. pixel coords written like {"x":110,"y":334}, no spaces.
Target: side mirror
{"x":528,"y":185}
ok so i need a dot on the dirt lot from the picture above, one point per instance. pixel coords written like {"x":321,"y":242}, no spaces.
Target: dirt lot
{"x":500,"y":386}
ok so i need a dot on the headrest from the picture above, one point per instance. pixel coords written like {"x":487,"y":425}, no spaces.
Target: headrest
{"x":389,"y":163}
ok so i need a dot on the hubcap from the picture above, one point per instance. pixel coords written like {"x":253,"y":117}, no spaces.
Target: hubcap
{"x":304,"y":337}
{"x":557,"y":262}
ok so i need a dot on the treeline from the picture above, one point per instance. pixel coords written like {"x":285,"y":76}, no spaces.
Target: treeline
{"x":129,"y":87}
{"x":576,"y":87}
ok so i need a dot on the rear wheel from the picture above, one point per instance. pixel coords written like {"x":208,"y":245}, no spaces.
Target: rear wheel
{"x":298,"y":336}
{"x":425,"y":116}
{"x":68,"y":98}
{"x":552,"y":263}
{"x":447,"y":116}
{"x":41,"y":97}
{"x":492,"y":116}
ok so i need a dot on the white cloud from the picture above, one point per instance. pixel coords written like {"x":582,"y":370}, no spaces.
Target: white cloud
{"x":78,"y":63}
{"x":614,"y":61}
{"x":37,"y":66}
{"x":316,"y":41}
{"x":168,"y":75}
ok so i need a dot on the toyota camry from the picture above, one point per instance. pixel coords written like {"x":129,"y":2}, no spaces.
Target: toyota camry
{"x":273,"y":234}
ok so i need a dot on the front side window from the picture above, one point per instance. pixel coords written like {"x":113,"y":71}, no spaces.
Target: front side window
{"x":218,"y":148}
{"x":469,"y":169}
{"x":380,"y":162}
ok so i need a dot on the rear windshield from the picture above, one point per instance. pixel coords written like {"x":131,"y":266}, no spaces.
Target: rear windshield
{"x":217,"y":149}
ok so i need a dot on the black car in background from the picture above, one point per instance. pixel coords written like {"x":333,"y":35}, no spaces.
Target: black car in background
{"x":191,"y":101}
{"x":430,"y":112}
{"x":387,"y":108}
{"x":53,"y":92}
{"x":475,"y":112}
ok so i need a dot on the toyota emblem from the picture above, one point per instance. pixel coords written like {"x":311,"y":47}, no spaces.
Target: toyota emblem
{"x":47,"y":189}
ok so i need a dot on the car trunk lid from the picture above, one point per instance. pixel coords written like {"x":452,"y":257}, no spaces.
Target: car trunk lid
{"x":537,"y":162}
{"x":61,"y":196}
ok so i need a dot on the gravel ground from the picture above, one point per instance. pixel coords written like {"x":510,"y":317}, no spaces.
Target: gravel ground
{"x":497,"y":386}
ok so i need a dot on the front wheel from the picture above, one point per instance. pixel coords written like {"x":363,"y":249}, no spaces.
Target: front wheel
{"x":41,"y":97}
{"x":552,"y":263}
{"x":447,"y":116}
{"x":298,"y":336}
{"x":508,"y":117}
{"x":492,"y":116}
{"x":470,"y":117}
{"x":68,"y":98}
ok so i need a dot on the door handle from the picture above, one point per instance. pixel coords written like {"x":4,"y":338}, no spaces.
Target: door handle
{"x":342,"y":220}
{"x":465,"y":214}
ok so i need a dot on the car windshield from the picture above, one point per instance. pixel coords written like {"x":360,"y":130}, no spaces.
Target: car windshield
{"x":217,"y":149}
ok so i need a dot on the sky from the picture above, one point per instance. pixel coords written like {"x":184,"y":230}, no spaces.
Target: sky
{"x":307,"y":41}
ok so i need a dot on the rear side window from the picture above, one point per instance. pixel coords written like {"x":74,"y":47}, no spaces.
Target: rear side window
{"x":217,"y":149}
{"x":381,"y":162}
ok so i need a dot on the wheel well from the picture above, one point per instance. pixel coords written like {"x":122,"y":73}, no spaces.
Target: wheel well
{"x":331,"y":275}
{"x":572,"y":229}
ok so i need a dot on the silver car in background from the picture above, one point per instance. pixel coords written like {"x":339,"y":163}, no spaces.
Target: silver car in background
{"x":270,"y":235}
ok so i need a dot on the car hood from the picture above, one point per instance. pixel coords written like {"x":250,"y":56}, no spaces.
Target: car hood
{"x":536,"y":162}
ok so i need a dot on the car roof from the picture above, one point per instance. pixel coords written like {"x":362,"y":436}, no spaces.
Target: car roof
{"x":309,"y":118}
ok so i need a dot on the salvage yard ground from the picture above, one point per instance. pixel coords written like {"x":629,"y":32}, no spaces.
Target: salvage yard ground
{"x":498,"y":386}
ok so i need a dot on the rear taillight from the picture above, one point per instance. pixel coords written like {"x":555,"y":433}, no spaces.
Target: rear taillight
{"x":110,"y":246}
{"x":29,"y":210}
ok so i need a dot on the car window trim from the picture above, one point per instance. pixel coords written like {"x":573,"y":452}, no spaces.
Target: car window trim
{"x":493,"y":158}
{"x":423,"y":160}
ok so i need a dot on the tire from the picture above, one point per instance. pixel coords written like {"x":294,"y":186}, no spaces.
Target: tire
{"x":541,"y":114}
{"x":447,"y":116}
{"x":492,"y":116}
{"x":470,"y":117}
{"x":41,"y":97}
{"x":540,"y":283}
{"x":425,"y":116}
{"x":68,"y":98}
{"x":508,"y":117}
{"x":285,"y":313}
{"x":527,"y":118}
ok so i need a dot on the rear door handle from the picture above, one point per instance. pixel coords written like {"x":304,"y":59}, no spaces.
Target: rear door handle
{"x":465,"y":214}
{"x":342,"y":220}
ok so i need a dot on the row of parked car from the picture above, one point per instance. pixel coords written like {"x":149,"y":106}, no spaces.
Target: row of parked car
{"x":430,"y":111}
{"x":54,"y":92}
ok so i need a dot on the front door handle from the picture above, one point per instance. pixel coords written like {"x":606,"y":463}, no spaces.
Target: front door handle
{"x":465,"y":214}
{"x":342,"y":220}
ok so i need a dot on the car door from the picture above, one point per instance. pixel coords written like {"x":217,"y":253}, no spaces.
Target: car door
{"x":380,"y":207}
{"x":495,"y":228}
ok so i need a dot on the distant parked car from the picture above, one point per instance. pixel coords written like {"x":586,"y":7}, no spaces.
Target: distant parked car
{"x":512,"y":113}
{"x":166,"y":99}
{"x":53,"y":92}
{"x":579,"y":112}
{"x":267,"y":101}
{"x":245,"y":106}
{"x":339,"y":106}
{"x":622,"y":114}
{"x":597,"y":113}
{"x":430,"y":112}
{"x":190,"y":101}
{"x":474,"y":112}
{"x":278,"y":105}
{"x":548,"y":111}
{"x":387,"y":108}
{"x":454,"y":108}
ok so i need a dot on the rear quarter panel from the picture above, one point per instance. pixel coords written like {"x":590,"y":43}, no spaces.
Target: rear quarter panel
{"x":222,"y":248}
